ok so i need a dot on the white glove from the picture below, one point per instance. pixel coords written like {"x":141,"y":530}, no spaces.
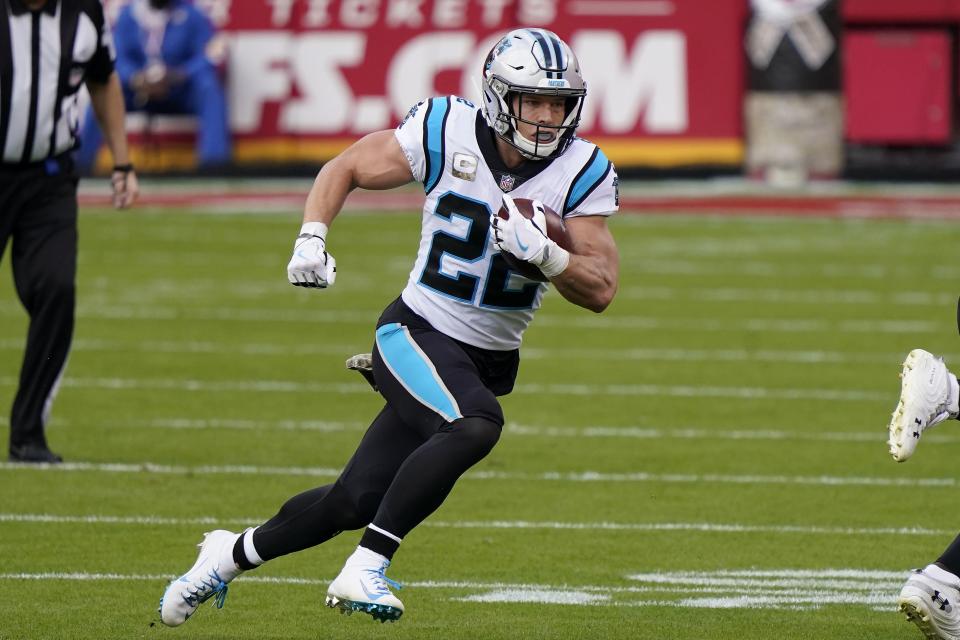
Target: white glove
{"x":311,"y":265}
{"x":526,"y":238}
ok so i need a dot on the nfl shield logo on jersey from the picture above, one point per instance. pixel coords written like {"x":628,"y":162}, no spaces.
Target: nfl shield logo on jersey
{"x":507,"y":182}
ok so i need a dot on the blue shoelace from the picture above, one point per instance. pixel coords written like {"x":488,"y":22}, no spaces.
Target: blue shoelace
{"x":381,"y":576}
{"x":217,"y":588}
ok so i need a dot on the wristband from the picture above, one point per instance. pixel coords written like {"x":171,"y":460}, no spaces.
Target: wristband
{"x":554,"y":260}
{"x":318,"y":229}
{"x":123,"y":168}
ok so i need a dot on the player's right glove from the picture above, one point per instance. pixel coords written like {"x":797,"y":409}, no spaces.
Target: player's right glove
{"x":311,"y":265}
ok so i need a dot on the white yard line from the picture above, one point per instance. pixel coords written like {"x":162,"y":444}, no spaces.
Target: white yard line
{"x":789,"y":296}
{"x":767,"y":269}
{"x":546,"y":476}
{"x":636,"y":432}
{"x":699,"y":527}
{"x":804,"y":589}
{"x":207,"y":347}
{"x":661,"y":354}
{"x":607,"y":322}
{"x":584,"y":390}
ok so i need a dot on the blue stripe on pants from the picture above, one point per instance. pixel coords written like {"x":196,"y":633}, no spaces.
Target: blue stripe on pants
{"x":411,"y":367}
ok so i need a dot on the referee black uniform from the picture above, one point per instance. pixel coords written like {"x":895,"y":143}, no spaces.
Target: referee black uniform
{"x":48,"y":48}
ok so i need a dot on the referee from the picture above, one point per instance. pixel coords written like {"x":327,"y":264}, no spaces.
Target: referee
{"x":48,"y":48}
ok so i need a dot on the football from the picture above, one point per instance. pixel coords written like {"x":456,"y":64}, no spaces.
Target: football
{"x":556,"y":231}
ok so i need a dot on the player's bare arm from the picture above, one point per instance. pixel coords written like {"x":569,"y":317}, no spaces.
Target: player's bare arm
{"x":376,"y":161}
{"x":591,"y":277}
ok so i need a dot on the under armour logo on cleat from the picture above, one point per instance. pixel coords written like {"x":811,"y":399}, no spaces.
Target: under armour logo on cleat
{"x":942,"y":602}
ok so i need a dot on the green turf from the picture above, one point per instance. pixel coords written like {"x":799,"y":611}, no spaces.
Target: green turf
{"x":743,"y":378}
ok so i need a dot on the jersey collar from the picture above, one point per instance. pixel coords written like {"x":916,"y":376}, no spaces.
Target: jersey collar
{"x":507,"y":178}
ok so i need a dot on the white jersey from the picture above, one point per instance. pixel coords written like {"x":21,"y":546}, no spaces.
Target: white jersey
{"x":460,"y":283}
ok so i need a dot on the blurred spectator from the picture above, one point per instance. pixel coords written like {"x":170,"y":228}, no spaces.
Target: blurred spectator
{"x":166,"y":54}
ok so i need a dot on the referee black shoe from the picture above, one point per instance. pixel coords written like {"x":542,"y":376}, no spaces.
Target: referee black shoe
{"x":33,"y":453}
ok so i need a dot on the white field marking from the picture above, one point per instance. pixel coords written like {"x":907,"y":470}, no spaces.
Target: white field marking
{"x":548,"y":476}
{"x":697,"y":527}
{"x":705,"y":248}
{"x":803,"y":588}
{"x":867,"y":271}
{"x":195,"y":346}
{"x":219,"y":314}
{"x":425,"y":584}
{"x":522,"y":525}
{"x":788,"y":296}
{"x":628,"y":431}
{"x":589,"y":390}
{"x":163,"y":469}
{"x":161,"y":292}
{"x":538,"y":596}
{"x":611,"y":322}
{"x":697,"y":433}
{"x":875,"y":589}
{"x":322,"y":426}
{"x":528,"y":353}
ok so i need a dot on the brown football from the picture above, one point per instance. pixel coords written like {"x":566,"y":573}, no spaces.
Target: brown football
{"x":556,"y":231}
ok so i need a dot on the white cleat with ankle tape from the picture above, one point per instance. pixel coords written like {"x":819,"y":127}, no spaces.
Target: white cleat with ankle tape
{"x":928,"y":396}
{"x":931,"y":600}
{"x":207,"y":578}
{"x":362,"y":586}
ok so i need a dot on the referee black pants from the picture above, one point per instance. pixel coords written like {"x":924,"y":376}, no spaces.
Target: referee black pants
{"x":38,"y":220}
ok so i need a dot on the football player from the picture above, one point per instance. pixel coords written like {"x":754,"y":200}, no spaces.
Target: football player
{"x":928,"y":396}
{"x":448,"y":345}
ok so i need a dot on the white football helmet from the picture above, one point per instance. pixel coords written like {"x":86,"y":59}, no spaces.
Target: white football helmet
{"x":532,"y":61}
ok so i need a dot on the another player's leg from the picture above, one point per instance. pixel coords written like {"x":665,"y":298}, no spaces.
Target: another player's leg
{"x":928,"y":395}
{"x":304,"y":521}
{"x":931,"y":597}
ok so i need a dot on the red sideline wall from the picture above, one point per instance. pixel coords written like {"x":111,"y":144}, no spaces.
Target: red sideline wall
{"x":306,"y":77}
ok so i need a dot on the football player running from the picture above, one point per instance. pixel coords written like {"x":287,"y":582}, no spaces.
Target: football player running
{"x":448,"y":346}
{"x":928,"y":396}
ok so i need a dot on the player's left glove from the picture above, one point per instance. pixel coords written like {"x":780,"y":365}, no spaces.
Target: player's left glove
{"x":526,"y":238}
{"x":311,"y":265}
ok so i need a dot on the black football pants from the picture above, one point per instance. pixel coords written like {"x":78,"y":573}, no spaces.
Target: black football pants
{"x":441,"y":418}
{"x":38,"y":216}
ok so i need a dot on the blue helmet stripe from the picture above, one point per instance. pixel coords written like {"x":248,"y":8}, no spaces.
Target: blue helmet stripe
{"x":547,"y":55}
{"x":436,"y":121}
{"x":587,"y":180}
{"x":558,"y":50}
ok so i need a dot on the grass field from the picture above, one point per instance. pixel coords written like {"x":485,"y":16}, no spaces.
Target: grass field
{"x":706,"y":459}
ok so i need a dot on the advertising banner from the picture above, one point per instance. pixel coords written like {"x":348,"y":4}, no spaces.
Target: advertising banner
{"x":307,"y":77}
